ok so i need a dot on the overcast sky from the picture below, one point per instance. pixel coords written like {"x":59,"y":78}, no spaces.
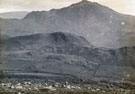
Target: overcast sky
{"x":123,"y":6}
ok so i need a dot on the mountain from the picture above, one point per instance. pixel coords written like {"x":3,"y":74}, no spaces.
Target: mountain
{"x":100,"y":25}
{"x":13,"y":15}
{"x":65,"y":54}
{"x":85,"y":40}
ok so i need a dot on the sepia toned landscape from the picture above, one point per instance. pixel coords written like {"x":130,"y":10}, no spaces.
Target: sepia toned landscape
{"x":84,"y":48}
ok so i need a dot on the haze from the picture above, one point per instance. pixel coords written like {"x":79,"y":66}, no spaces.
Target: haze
{"x":122,"y":6}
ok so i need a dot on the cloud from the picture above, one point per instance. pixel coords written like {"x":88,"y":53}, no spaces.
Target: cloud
{"x":123,"y":6}
{"x":33,"y":4}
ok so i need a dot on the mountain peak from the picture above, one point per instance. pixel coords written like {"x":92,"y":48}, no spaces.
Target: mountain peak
{"x":83,"y":3}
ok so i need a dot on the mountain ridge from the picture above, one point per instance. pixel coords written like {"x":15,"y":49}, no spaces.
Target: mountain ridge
{"x":100,"y":25}
{"x":13,"y":15}
{"x":44,"y":39}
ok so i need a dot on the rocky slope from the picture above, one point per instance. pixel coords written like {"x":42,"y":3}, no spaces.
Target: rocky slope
{"x":61,"y":54}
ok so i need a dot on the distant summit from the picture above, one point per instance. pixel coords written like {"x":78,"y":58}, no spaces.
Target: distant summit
{"x":100,"y":25}
{"x":85,"y":1}
{"x":14,"y":15}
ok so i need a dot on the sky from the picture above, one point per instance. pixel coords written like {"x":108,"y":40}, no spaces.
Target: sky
{"x":122,"y":6}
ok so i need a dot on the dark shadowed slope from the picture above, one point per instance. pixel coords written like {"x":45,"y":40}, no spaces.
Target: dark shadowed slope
{"x":66,"y":54}
{"x":36,"y":41}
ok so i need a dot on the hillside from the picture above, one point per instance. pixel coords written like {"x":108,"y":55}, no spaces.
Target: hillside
{"x":65,"y":54}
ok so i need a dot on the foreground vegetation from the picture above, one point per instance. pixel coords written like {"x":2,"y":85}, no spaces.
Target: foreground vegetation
{"x":102,"y":87}
{"x":68,"y":91}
